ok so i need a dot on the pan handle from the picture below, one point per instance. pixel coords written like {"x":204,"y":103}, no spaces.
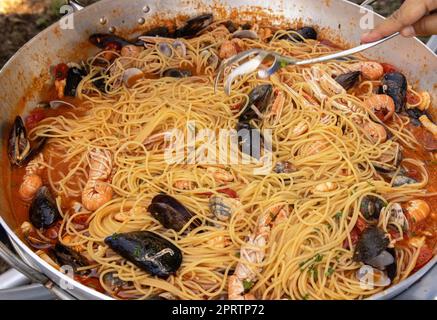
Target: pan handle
{"x":10,"y":258}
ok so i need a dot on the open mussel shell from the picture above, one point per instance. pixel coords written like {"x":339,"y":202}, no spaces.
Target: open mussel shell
{"x":372,"y":242}
{"x":18,"y":144}
{"x":66,"y":256}
{"x":148,"y":251}
{"x":74,"y":77}
{"x":43,"y":211}
{"x":371,"y":207}
{"x":176,"y":73}
{"x":162,"y":32}
{"x":170,"y":212}
{"x":349,"y":79}
{"x":193,"y":26}
{"x":259,"y":99}
{"x":394,"y":84}
{"x":249,"y":139}
{"x":101,"y":40}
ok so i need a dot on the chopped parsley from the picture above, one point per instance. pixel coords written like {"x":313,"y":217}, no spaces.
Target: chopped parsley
{"x":283,"y":63}
{"x":306,"y":296}
{"x":329,"y":272}
{"x":314,"y":260}
{"x":338,"y":215}
{"x":247,"y":285}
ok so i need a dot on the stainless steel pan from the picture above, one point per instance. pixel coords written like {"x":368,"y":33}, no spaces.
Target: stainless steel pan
{"x":23,"y":77}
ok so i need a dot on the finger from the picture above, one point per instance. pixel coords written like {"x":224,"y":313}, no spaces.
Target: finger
{"x":426,"y":26}
{"x":408,"y":14}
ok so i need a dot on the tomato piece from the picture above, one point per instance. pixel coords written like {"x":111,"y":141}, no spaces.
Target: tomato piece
{"x":354,"y":238}
{"x":231,"y":193}
{"x":81,"y":219}
{"x":387,"y":67}
{"x":34,"y":117}
{"x":361,"y":225}
{"x":61,"y":71}
{"x":425,"y":254}
{"x":113,"y":46}
{"x":90,"y":282}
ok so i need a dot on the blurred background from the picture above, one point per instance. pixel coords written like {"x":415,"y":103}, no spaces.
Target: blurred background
{"x":20,"y":20}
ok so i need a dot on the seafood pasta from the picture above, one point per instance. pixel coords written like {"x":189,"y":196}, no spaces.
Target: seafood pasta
{"x":346,"y":209}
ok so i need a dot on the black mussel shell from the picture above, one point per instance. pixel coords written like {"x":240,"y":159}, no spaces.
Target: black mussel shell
{"x":162,"y":32}
{"x":370,"y":244}
{"x":394,"y":84}
{"x":101,"y":40}
{"x":170,"y":212}
{"x":148,"y":251}
{"x":348,"y":80}
{"x":231,"y":26}
{"x":246,"y":26}
{"x":74,"y":77}
{"x":65,"y":256}
{"x":392,"y":268}
{"x":371,"y":207}
{"x":259,"y":98}
{"x":20,"y":150}
{"x":99,"y":81}
{"x":176,"y":73}
{"x":18,"y":143}
{"x":305,"y":33}
{"x":43,"y":211}
{"x":249,"y":139}
{"x":414,"y":114}
{"x":193,"y":26}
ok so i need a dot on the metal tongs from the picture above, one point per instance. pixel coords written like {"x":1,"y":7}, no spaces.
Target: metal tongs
{"x":255,"y":57}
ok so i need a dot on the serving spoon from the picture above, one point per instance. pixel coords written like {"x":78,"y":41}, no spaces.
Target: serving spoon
{"x":255,"y":57}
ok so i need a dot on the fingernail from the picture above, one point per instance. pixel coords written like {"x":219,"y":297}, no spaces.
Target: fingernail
{"x":408,"y":32}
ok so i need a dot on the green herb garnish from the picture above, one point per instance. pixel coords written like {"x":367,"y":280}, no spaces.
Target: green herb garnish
{"x":329,"y":272}
{"x":283,"y":63}
{"x":306,"y":296}
{"x":247,"y":285}
{"x":338,"y":215}
{"x":137,"y":251}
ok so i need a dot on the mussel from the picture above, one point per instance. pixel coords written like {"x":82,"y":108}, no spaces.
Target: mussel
{"x":349,"y":79}
{"x":162,"y":32}
{"x":394,"y":84}
{"x":193,"y":26}
{"x":372,"y":249}
{"x":148,"y":251}
{"x":401,"y":180}
{"x":305,"y":33}
{"x":259,"y":99}
{"x":99,"y":81}
{"x":223,"y":207}
{"x":170,"y":212}
{"x":371,"y":207}
{"x":176,"y":73}
{"x":20,"y":150}
{"x":43,"y":211}
{"x":102,"y":40}
{"x":415,"y":113}
{"x":249,"y":139}
{"x":65,"y":256}
{"x":284,"y":167}
{"x":74,"y":77}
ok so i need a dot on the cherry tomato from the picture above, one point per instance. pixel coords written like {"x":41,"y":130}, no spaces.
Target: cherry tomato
{"x":34,"y":117}
{"x":425,"y":255}
{"x":113,"y":46}
{"x":61,"y":71}
{"x":231,"y":193}
{"x":90,"y":282}
{"x":387,"y":67}
{"x":361,"y":225}
{"x":354,"y":238}
{"x":81,"y":219}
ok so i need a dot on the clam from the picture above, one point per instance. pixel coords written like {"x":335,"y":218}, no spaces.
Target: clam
{"x":245,"y":34}
{"x":148,"y":251}
{"x":43,"y":211}
{"x":170,"y":212}
{"x":401,"y":180}
{"x":165,"y":48}
{"x":284,"y":167}
{"x":259,"y":99}
{"x":397,"y":216}
{"x":390,"y":159}
{"x":371,"y":207}
{"x":394,"y":84}
{"x":211,"y":58}
{"x":223,"y":207}
{"x":113,"y":282}
{"x":57,"y":103}
{"x":132,"y":75}
{"x":348,"y":80}
{"x":179,"y":46}
{"x":193,"y":26}
{"x":373,"y":277}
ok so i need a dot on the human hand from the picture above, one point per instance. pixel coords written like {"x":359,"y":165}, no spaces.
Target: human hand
{"x":413,"y":18}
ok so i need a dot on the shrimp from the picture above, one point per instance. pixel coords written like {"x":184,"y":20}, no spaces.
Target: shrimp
{"x":254,"y":252}
{"x":95,"y":194}
{"x":230,"y":48}
{"x":32,"y":180}
{"x":183,"y":184}
{"x":369,"y":69}
{"x":318,"y":146}
{"x":322,"y":84}
{"x":418,"y":210}
{"x":300,"y":129}
{"x":325,"y":187}
{"x":97,"y":190}
{"x":220,"y":175}
{"x":278,"y":105}
{"x":60,"y":87}
{"x":382,"y":105}
{"x":375,"y":132}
